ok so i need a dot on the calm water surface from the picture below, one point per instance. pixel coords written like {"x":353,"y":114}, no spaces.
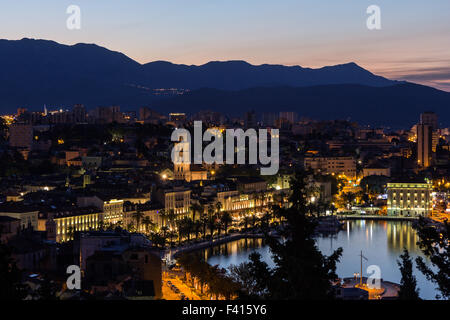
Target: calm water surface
{"x":382,"y":243}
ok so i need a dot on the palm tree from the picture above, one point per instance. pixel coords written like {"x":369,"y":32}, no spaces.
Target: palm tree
{"x":211,"y":225}
{"x":218,"y":206}
{"x":130,"y":227}
{"x":245,"y":222}
{"x":254,"y":221}
{"x":219,"y":227}
{"x":197,"y":226}
{"x":185,"y":227}
{"x":164,"y":230}
{"x":157,"y":239}
{"x":201,"y":209}
{"x":194,"y":208}
{"x":204,"y":223}
{"x":265,"y":220}
{"x":261,"y":197}
{"x":138,"y":215}
{"x":70,"y":233}
{"x":210,"y":211}
{"x":171,"y":235}
{"x":148,"y":223}
{"x":171,"y":216}
{"x":163,"y":215}
{"x":226,"y":219}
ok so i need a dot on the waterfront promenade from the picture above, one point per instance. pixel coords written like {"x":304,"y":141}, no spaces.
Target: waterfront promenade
{"x":373,"y":217}
{"x":388,"y":290}
{"x":173,"y":253}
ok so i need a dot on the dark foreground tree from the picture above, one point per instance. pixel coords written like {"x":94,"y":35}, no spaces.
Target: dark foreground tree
{"x":252,"y":276}
{"x":47,"y":289}
{"x":10,"y":277}
{"x":408,"y":289}
{"x":301,"y":271}
{"x":435,"y":244}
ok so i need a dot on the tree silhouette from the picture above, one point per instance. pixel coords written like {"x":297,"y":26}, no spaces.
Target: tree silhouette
{"x":138,"y":215}
{"x":301,"y":271}
{"x":226,"y":219}
{"x":408,"y":290}
{"x":436,"y":245}
{"x":10,"y":277}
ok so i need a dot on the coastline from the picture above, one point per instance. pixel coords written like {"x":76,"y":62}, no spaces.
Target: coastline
{"x":173,"y":253}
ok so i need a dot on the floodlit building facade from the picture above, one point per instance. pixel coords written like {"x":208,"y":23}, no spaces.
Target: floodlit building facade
{"x":409,"y":199}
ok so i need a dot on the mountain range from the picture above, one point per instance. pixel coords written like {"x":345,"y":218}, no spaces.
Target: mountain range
{"x":38,"y":72}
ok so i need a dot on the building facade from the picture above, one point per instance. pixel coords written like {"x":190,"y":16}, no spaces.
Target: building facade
{"x":332,"y":165}
{"x":409,"y":199}
{"x":424,"y":145}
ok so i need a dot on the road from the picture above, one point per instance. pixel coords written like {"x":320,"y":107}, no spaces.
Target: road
{"x":175,"y":279}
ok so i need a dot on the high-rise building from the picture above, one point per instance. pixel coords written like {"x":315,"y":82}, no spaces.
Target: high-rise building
{"x":429,"y":118}
{"x":424,"y":145}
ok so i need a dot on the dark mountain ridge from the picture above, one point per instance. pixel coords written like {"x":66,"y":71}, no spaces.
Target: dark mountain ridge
{"x":38,"y":72}
{"x":398,"y":105}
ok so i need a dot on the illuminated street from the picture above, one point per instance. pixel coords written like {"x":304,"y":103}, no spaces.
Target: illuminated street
{"x":169,"y":293}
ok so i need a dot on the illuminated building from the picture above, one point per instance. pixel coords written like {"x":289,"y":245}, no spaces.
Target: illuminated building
{"x":177,"y":199}
{"x":112,"y":208}
{"x":379,"y":171}
{"x":427,"y":138}
{"x":424,"y":145}
{"x":66,"y":225}
{"x":410,"y":199}
{"x":332,"y":165}
{"x":189,"y":172}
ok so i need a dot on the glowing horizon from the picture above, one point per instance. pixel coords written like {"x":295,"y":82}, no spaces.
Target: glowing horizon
{"x":413,"y":43}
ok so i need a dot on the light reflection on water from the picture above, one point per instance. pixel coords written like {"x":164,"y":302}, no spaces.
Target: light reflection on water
{"x":382,"y":242}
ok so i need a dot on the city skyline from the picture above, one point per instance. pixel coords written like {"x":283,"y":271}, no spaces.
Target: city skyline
{"x":224,"y":151}
{"x":408,"y":46}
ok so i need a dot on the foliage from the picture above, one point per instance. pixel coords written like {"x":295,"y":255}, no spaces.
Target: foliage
{"x":218,"y":282}
{"x":10,"y":277}
{"x":436,"y":246}
{"x":408,"y":290}
{"x":301,"y":271}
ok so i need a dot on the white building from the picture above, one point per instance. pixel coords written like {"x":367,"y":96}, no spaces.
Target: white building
{"x":409,"y":199}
